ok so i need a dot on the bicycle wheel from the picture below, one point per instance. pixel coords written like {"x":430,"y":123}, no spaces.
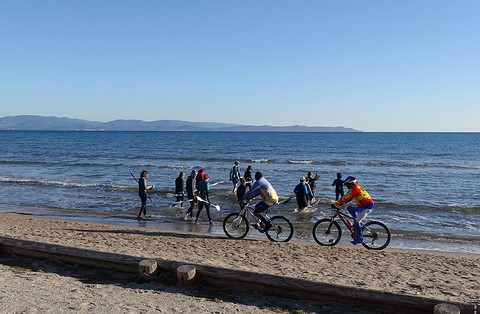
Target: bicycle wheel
{"x":281,"y":230}
{"x":327,"y":232}
{"x":376,"y":235}
{"x":235,"y":226}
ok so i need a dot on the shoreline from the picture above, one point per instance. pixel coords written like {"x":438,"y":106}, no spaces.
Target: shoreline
{"x":445,"y":276}
{"x":439,"y":245}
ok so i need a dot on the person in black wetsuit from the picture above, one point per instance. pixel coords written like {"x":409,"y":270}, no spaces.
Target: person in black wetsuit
{"x":179,"y":187}
{"x":242,"y":188}
{"x":191,"y":187}
{"x":248,"y":177}
{"x":310,"y":182}
{"x":142,"y":192}
{"x":338,"y":183}
{"x":203,"y":186}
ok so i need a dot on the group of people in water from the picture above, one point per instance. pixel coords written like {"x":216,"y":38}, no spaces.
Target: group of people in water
{"x":197,"y":188}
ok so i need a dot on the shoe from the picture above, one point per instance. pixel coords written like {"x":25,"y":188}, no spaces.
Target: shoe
{"x":187,"y":217}
{"x":255,"y":226}
{"x":357,"y":241}
{"x":196,"y":221}
{"x":212,"y":222}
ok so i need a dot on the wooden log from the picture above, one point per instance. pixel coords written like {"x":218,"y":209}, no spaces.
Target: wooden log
{"x":186,"y":276}
{"x":70,"y":255}
{"x":445,"y":308}
{"x":147,"y":266}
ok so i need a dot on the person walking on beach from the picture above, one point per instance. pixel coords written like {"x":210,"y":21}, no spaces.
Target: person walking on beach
{"x":338,"y":183}
{"x":199,"y":177}
{"x":203,"y":187}
{"x":262,"y":187}
{"x":179,"y":187}
{"x":301,"y":194}
{"x":190,"y":187}
{"x":142,"y":192}
{"x":363,"y":206}
{"x":248,"y":177}
{"x":235,"y":175}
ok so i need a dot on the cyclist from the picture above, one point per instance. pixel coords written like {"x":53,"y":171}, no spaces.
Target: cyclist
{"x":364,"y":205}
{"x":262,"y":187}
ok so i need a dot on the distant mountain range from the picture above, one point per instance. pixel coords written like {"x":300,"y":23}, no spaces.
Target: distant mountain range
{"x":42,"y":123}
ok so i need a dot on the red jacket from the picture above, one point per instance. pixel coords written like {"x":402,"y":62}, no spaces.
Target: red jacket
{"x":360,"y":196}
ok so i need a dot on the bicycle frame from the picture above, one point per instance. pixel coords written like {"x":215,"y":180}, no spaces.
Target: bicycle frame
{"x":248,"y":210}
{"x":338,"y":213}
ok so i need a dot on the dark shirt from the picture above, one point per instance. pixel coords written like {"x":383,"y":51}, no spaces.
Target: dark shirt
{"x":190,"y":188}
{"x":179,"y":185}
{"x":338,"y":183}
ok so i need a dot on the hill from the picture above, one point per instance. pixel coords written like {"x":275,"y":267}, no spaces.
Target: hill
{"x":42,"y":123}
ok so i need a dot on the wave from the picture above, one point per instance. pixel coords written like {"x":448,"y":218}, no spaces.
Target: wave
{"x":75,"y":163}
{"x":402,"y":164}
{"x":261,"y":160}
{"x":300,"y":161}
{"x":62,"y":184}
{"x":415,"y":208}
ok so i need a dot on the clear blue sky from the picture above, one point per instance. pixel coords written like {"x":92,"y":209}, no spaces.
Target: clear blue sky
{"x":385,"y":65}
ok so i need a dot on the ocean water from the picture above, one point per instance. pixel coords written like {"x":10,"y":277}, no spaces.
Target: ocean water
{"x":425,"y":185}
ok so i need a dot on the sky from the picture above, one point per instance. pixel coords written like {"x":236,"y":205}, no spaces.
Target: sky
{"x":376,"y":66}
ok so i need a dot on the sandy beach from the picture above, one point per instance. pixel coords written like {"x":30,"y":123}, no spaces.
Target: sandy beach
{"x":443,"y":276}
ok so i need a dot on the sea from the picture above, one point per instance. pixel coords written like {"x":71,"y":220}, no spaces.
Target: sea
{"x":425,"y":185}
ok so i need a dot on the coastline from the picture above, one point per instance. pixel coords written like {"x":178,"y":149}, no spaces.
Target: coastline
{"x":440,"y":275}
{"x":158,"y":222}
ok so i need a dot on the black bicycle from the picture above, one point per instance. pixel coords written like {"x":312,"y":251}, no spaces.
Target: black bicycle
{"x":327,"y":231}
{"x":236,"y":225}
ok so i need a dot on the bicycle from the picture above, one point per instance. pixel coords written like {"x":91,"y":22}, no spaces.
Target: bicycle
{"x":327,"y":231}
{"x":236,"y":225}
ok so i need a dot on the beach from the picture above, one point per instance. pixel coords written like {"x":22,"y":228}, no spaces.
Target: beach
{"x":444,"y":276}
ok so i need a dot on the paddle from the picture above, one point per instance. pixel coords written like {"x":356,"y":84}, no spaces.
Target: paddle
{"x":287,"y":200}
{"x":219,"y":182}
{"x":180,"y":202}
{"x":172,"y":194}
{"x":217,"y":207}
{"x":145,"y":192}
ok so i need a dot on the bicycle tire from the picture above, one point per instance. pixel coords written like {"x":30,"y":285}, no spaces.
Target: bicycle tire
{"x":376,"y":235}
{"x":281,"y":230}
{"x":235,"y":226}
{"x":327,"y":232}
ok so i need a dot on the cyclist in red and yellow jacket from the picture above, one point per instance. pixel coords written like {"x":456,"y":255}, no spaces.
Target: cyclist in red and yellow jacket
{"x":364,"y":205}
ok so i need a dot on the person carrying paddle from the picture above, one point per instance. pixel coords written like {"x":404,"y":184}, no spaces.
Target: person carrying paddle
{"x":190,"y":187}
{"x":179,"y":184}
{"x":203,"y":187}
{"x":142,"y":193}
{"x":262,"y":187}
{"x":310,"y":182}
